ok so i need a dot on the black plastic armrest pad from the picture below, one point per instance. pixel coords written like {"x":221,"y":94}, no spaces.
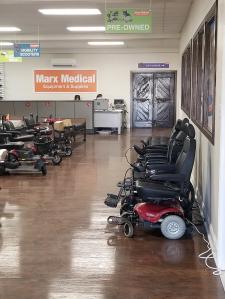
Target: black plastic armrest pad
{"x":14,"y":132}
{"x":152,"y":163}
{"x":171,"y":177}
{"x":156,"y":151}
{"x":4,"y":134}
{"x":156,"y":155}
{"x":167,"y":168}
{"x":159,"y":146}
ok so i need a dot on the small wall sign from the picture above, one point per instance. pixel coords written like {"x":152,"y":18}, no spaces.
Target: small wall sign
{"x":154,"y":65}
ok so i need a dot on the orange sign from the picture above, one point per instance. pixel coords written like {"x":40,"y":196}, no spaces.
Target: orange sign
{"x":65,"y":81}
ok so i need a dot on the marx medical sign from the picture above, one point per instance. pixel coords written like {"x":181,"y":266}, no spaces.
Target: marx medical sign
{"x":128,"y":20}
{"x":53,"y":81}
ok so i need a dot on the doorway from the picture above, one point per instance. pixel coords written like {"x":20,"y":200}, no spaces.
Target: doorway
{"x":153,"y":99}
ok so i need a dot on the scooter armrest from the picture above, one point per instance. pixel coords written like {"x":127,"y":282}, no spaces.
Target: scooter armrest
{"x":163,"y":168}
{"x":168,"y":177}
{"x":12,"y":132}
{"x":5,"y":134}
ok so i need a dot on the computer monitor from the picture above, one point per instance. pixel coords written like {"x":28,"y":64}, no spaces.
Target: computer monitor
{"x":118,"y":102}
{"x":101,"y":104}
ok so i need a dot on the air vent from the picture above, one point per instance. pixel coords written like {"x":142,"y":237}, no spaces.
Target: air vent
{"x":63,"y":62}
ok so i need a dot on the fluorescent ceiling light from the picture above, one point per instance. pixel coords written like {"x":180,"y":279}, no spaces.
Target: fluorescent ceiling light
{"x":86,"y":29}
{"x":70,"y":11}
{"x":9,"y":29}
{"x":108,"y":43}
{"x":6,"y":44}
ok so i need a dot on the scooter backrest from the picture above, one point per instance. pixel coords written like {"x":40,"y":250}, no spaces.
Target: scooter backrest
{"x":176,"y":145}
{"x":185,"y":121}
{"x":191,"y":131}
{"x":176,"y":129}
{"x":186,"y":158}
{"x":3,"y":154}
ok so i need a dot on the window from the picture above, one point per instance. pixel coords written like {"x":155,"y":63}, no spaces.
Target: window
{"x":186,"y":80}
{"x":199,"y":68}
{"x":210,"y":76}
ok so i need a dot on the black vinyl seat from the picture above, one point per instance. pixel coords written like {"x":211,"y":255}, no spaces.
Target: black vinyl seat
{"x":147,"y":190}
{"x":174,"y":149}
{"x":8,"y":127}
{"x":177,"y":181}
{"x":5,"y":144}
{"x":161,"y":147}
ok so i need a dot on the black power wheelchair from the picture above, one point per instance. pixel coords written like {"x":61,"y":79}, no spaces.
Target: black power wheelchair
{"x":159,"y":194}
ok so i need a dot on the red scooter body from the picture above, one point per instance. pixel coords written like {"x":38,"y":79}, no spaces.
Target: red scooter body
{"x":152,"y":212}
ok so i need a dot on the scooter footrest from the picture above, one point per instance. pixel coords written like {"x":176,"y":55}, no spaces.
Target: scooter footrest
{"x":115,"y":220}
{"x":111,"y":200}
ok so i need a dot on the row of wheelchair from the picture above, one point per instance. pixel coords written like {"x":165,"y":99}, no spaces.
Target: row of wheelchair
{"x":159,"y":193}
{"x":27,"y":146}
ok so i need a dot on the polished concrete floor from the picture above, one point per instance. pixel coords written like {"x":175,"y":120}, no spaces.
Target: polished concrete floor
{"x":55,"y":243}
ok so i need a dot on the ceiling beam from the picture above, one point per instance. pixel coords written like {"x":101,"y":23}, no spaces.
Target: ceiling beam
{"x":74,"y":37}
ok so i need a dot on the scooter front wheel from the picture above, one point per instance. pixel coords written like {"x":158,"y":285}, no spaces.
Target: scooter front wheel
{"x":128,"y":229}
{"x":44,"y":170}
{"x":57,"y":159}
{"x":68,"y":151}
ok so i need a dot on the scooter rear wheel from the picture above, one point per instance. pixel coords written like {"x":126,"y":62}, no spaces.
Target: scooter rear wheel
{"x":173,"y":227}
{"x":68,"y":151}
{"x":44,"y":170}
{"x":57,"y":159}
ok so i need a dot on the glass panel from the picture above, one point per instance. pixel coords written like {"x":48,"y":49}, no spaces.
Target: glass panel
{"x":186,"y":81}
{"x":194,"y":78}
{"x":209,"y":75}
{"x":200,"y":78}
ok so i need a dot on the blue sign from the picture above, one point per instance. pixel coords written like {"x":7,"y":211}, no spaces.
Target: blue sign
{"x":26,"y":50}
{"x":153,"y":65}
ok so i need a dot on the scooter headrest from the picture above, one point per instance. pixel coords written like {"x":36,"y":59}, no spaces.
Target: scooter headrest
{"x":191,"y":131}
{"x":185,"y":121}
{"x":184,"y":127}
{"x":178,"y":125}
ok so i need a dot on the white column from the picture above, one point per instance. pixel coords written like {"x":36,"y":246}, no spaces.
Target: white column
{"x":220,"y":102}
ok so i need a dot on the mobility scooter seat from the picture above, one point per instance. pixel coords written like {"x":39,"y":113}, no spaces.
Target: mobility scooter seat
{"x":12,"y":145}
{"x":147,"y":190}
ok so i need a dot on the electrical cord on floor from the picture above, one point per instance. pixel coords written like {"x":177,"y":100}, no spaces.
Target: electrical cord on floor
{"x":209,"y":252}
{"x":124,"y":179}
{"x":130,"y":148}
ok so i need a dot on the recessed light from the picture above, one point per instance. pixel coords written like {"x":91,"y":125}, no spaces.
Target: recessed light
{"x":6,"y":44}
{"x":9,"y":29}
{"x":109,"y":43}
{"x":70,"y":11}
{"x":86,"y":29}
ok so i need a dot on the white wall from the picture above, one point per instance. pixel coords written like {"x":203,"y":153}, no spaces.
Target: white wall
{"x":113,"y":74}
{"x":207,"y":174}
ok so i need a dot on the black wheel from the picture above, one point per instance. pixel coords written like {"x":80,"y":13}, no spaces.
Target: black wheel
{"x":57,"y":159}
{"x":2,"y":170}
{"x":128,"y":229}
{"x":68,"y":151}
{"x":44,"y":170}
{"x":173,"y":227}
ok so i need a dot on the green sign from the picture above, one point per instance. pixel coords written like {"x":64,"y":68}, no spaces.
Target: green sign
{"x":8,"y":56}
{"x":128,"y":21}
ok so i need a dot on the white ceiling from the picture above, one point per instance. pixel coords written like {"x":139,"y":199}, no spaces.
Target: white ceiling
{"x":169,"y":17}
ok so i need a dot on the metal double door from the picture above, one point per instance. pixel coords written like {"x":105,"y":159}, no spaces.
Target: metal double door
{"x":153,"y":98}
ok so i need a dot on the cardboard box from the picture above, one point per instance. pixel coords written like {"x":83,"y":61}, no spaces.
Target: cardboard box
{"x":67,"y":122}
{"x":59,"y":125}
